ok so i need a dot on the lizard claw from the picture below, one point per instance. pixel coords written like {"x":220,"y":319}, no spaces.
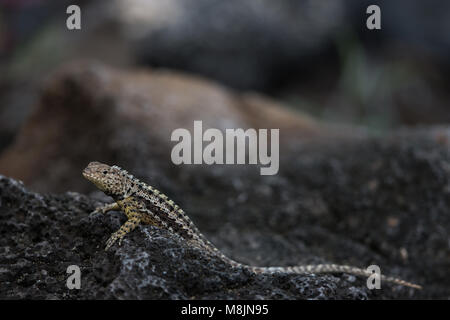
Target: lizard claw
{"x":115,"y":237}
{"x":110,"y":242}
{"x":99,"y":210}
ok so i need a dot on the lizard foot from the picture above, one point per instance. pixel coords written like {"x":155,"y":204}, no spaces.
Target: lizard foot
{"x":98,"y":210}
{"x":107,"y":207}
{"x":116,"y":236}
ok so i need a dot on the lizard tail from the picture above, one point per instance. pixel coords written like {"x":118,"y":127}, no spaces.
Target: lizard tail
{"x":328,"y":268}
{"x":305,"y":269}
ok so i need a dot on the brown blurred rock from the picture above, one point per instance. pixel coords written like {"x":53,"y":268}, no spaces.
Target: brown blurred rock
{"x":92,"y":112}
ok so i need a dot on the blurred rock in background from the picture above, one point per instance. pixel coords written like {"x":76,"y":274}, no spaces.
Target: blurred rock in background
{"x":317,"y":56}
{"x":90,"y":111}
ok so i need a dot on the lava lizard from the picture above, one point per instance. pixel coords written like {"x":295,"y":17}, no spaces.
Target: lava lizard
{"x":144,"y":204}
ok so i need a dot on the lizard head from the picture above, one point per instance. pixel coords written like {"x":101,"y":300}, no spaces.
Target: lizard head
{"x":109,"y":179}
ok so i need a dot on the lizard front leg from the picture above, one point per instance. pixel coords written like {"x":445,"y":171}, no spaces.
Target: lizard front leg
{"x":128,"y":226}
{"x":107,"y":207}
{"x":130,"y":206}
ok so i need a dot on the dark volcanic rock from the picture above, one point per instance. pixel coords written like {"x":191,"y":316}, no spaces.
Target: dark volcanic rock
{"x":43,"y":235}
{"x":381,"y":201}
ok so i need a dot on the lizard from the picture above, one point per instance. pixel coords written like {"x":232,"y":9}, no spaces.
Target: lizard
{"x":144,"y":204}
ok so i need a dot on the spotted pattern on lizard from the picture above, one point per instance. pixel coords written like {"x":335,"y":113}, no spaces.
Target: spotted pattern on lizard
{"x":143,"y":204}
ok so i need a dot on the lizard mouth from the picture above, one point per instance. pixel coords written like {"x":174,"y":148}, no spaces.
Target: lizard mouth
{"x":88,"y":174}
{"x":88,"y":177}
{"x":96,"y":172}
{"x":92,"y":178}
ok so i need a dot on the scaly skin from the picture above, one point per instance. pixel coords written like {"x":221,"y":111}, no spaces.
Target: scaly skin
{"x":143,"y":204}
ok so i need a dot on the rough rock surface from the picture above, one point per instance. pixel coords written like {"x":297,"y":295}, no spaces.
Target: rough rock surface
{"x":379,"y":201}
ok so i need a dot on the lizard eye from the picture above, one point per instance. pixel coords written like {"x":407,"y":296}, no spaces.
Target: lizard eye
{"x":105,"y":172}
